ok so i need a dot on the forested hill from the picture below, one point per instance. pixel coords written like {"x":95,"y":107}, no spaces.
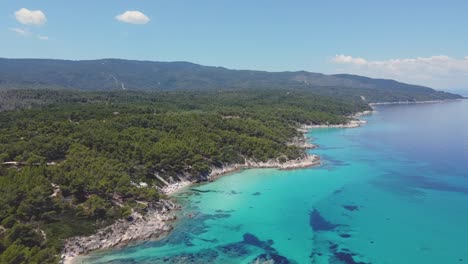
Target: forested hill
{"x":115,"y":74}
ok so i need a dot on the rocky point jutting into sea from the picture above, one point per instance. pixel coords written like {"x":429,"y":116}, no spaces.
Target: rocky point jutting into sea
{"x":153,"y":224}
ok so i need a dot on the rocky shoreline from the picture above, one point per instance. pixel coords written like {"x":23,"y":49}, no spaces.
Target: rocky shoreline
{"x":157,"y":221}
{"x":308,"y":160}
{"x":137,"y":227}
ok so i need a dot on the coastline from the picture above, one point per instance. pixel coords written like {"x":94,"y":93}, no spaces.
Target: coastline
{"x":309,"y":160}
{"x":155,"y":224}
{"x":416,"y":102}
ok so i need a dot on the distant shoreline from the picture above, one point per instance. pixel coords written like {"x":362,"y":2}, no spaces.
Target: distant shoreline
{"x":416,"y":102}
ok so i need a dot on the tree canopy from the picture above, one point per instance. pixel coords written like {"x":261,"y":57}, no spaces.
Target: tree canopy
{"x":73,"y":161}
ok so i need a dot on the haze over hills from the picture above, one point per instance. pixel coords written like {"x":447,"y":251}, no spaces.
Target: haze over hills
{"x":116,"y":74}
{"x":462,"y":92}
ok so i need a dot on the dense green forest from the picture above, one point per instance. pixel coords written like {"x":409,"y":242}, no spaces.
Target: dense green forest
{"x":115,"y":74}
{"x":72,"y":161}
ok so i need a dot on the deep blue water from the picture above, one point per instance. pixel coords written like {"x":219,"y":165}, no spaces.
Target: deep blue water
{"x":392,"y":191}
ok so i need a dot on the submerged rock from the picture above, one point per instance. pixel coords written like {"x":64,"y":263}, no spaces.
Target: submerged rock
{"x":318,"y":223}
{"x":351,"y":207}
{"x":347,"y":258}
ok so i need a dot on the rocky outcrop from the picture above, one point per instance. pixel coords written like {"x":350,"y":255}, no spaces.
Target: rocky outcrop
{"x":302,"y":142}
{"x":363,"y":113}
{"x":174,"y":187}
{"x":153,"y":224}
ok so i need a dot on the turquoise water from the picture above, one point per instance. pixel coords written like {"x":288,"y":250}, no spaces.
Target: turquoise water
{"x":392,"y":191}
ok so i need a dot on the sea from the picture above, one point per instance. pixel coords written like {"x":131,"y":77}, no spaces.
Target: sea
{"x":392,"y":191}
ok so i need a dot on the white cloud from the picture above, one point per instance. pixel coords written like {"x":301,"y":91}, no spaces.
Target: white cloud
{"x":20,"y":31}
{"x":40,"y":37}
{"x":349,"y":59}
{"x":30,"y":17}
{"x":436,"y":71}
{"x":133,"y":17}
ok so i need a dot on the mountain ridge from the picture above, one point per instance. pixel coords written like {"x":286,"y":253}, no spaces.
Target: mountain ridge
{"x":114,"y":74}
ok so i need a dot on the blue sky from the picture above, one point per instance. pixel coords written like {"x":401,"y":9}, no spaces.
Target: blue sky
{"x":423,"y":42}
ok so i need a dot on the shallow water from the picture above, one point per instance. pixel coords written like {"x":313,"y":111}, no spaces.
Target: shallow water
{"x":392,"y":191}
